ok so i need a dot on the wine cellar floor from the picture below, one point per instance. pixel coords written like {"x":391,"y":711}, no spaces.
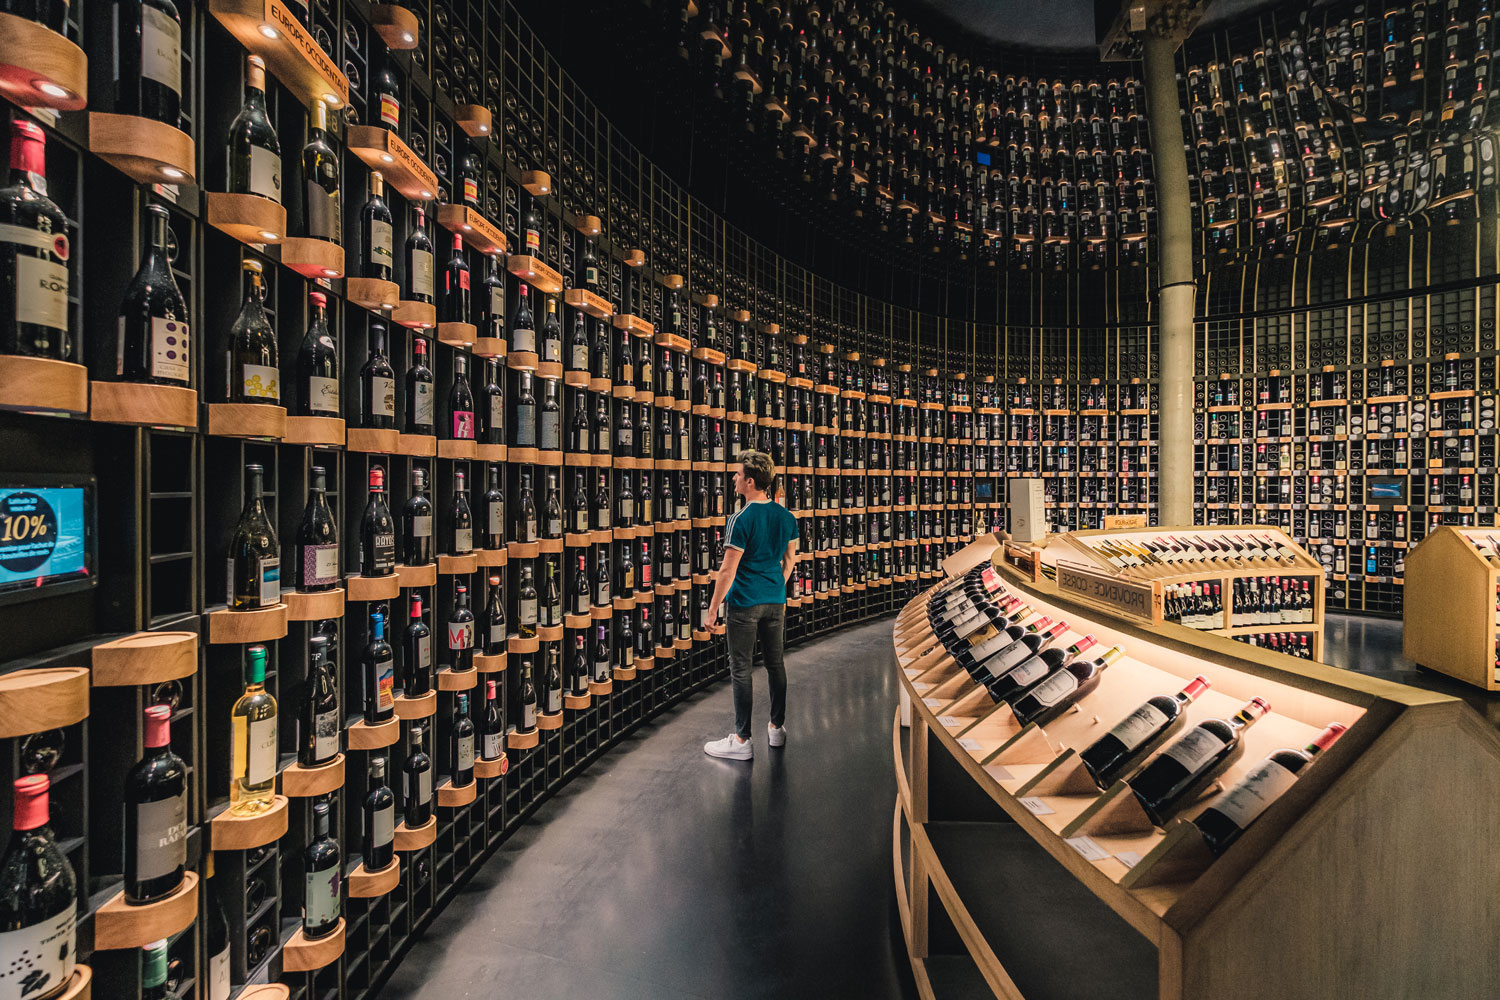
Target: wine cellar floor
{"x":663,"y":874}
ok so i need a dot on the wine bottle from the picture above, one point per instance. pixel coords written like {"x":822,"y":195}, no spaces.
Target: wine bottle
{"x":377,"y":229}
{"x":416,"y":522}
{"x":218,"y":984}
{"x":39,"y":903}
{"x":461,"y":631}
{"x":581,"y":589}
{"x":320,"y":722}
{"x":461,"y":543}
{"x":377,"y":384}
{"x":526,"y":520}
{"x":578,"y":505}
{"x":551,"y":333}
{"x":378,"y":671}
{"x":602,"y":505}
{"x":578,"y":343}
{"x":416,"y":651}
{"x":254,"y":553}
{"x":154,"y":971}
{"x":1136,"y":737}
{"x":525,"y":424}
{"x":1037,"y":666}
{"x":461,"y":401}
{"x":456,"y":285}
{"x":492,"y":298}
{"x":153,"y":329}
{"x":468,"y":179}
{"x":1175,"y":775}
{"x":251,"y":368}
{"x":551,"y":599}
{"x":491,"y":403}
{"x":625,"y":504}
{"x":148,"y":61}
{"x":493,"y":737}
{"x":552,"y":680}
{"x":322,"y":902}
{"x":549,"y":432}
{"x":1051,"y":696}
{"x":527,"y":604}
{"x":552,"y":515}
{"x":416,"y":805}
{"x":155,"y":815}
{"x":378,"y":812}
{"x":523,"y":324}
{"x":527,"y":692}
{"x":322,"y":177}
{"x":590,"y":265}
{"x":254,"y":151}
{"x":318,"y":364}
{"x":34,"y":252}
{"x":625,"y":573}
{"x":495,"y":635}
{"x":493,"y":530}
{"x":252,"y":777}
{"x":419,"y":269}
{"x":461,"y":745}
{"x":1232,"y":813}
{"x":317,"y":563}
{"x":377,"y":531}
{"x":601,"y":653}
{"x":386,"y":84}
{"x":419,"y":397}
{"x":533,"y":229}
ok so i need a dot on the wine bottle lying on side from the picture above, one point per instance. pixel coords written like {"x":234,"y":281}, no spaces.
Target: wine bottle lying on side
{"x":1232,"y":813}
{"x":1137,"y":736}
{"x":1187,"y":766}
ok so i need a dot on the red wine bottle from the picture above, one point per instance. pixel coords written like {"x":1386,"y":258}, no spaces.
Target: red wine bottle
{"x":34,"y":254}
{"x":318,"y":364}
{"x":416,"y":806}
{"x":419,"y":269}
{"x":320,"y":722}
{"x":317,"y":539}
{"x":1051,"y":696}
{"x":322,"y":902}
{"x":1138,"y":735}
{"x":378,"y":670}
{"x":153,"y":343}
{"x":460,"y":517}
{"x":1201,"y":755}
{"x":416,"y":522}
{"x":461,"y":745}
{"x":461,"y":401}
{"x":378,"y":812}
{"x":377,"y":384}
{"x":461,"y":631}
{"x":456,"y":285}
{"x":495,"y":628}
{"x":1001,"y":664}
{"x":1037,"y":666}
{"x":493,"y":742}
{"x":493,"y":526}
{"x":377,"y":233}
{"x":155,"y":815}
{"x":416,"y":651}
{"x":1232,"y":813}
{"x":38,"y":898}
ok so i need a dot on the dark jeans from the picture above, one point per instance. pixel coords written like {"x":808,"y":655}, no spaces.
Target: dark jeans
{"x":768,"y":623}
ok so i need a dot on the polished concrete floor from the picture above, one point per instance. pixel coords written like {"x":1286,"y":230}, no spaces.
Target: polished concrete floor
{"x":665,"y":874}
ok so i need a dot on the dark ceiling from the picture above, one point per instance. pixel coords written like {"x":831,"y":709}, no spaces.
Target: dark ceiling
{"x":1061,"y":25}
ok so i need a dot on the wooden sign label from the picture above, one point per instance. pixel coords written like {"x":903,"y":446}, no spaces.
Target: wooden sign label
{"x":1134,"y":599}
{"x":1124,"y":522}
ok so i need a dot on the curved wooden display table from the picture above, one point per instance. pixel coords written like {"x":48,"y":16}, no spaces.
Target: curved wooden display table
{"x":42,"y":698}
{"x":298,"y":782}
{"x":119,"y":924}
{"x":241,"y":833}
{"x":145,"y":658}
{"x":1056,"y":888}
{"x":302,"y":955}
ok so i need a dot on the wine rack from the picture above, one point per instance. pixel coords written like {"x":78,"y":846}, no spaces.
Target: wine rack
{"x":981,"y":797}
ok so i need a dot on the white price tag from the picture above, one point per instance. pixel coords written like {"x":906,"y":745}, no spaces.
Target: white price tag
{"x":932,"y":702}
{"x":1000,"y":772}
{"x":1128,"y":858}
{"x":1087,"y":847}
{"x":913,"y":672}
{"x":1037,"y":806}
{"x":947,"y":720}
{"x":920,"y":685}
{"x":970,"y":745}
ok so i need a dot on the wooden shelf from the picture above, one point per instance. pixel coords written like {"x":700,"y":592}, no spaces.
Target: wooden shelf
{"x":298,"y":782}
{"x":327,"y":432}
{"x":381,"y":149}
{"x":247,"y":420}
{"x":535,"y":273}
{"x":458,"y":565}
{"x":363,"y":736}
{"x":372,"y":293}
{"x":240,"y":627}
{"x":537,"y":182}
{"x":397,"y":26}
{"x":449,"y":679}
{"x":82,"y":985}
{"x":365,"y":884}
{"x":417,"y":445}
{"x":40,"y":68}
{"x":475,"y":119}
{"x":42,"y":384}
{"x":409,"y":839}
{"x":143,"y":405}
{"x":516,"y":644}
{"x":417,"y":576}
{"x":118,"y":924}
{"x":146,"y":150}
{"x":144,"y":658}
{"x":594,"y":305}
{"x":635,"y":324}
{"x":490,"y":347}
{"x":453,"y":798}
{"x":457,"y":335}
{"x":313,"y":258}
{"x":373,"y":588}
{"x":491,"y":768}
{"x":549,"y":723}
{"x":420,"y":707}
{"x":241,"y":833}
{"x":303,"y":955}
{"x":249,"y":218}
{"x":268,"y":29}
{"x":601,"y":688}
{"x":264,"y":991}
{"x":577,"y":702}
{"x":477,"y":231}
{"x":415,"y":315}
{"x":489,"y":663}
{"x":522,"y":741}
{"x":489,"y":558}
{"x":623,"y":673}
{"x":457,"y":450}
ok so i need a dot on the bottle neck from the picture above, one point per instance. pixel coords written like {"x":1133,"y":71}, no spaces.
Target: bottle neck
{"x":28,"y":160}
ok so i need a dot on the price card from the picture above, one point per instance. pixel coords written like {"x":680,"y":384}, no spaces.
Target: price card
{"x":1087,"y":847}
{"x":1037,"y":806}
{"x":932,"y":702}
{"x":1129,"y":858}
{"x":920,"y":685}
{"x":947,"y":720}
{"x":912,"y":672}
{"x":970,"y":745}
{"x":999,"y":772}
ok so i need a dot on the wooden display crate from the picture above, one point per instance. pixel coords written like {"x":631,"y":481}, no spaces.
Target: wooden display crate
{"x":1448,"y":618}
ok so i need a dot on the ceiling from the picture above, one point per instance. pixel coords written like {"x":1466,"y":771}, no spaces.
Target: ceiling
{"x":1059,"y":25}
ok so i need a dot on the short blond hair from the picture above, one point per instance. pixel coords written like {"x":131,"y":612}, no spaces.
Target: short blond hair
{"x":759,"y":467}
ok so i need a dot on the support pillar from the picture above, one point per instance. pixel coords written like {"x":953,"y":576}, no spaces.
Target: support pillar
{"x":1175,"y":283}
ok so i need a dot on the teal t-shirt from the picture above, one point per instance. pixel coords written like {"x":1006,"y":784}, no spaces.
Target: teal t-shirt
{"x":762,"y":531}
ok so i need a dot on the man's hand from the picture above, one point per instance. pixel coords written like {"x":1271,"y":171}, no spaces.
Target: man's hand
{"x":715,"y":623}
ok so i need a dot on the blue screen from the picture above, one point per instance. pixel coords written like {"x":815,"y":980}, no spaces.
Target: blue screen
{"x":43,"y":535}
{"x":983,"y":158}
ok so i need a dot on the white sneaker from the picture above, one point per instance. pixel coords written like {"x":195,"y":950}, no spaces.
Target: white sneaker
{"x":777,"y":735}
{"x":729,"y":748}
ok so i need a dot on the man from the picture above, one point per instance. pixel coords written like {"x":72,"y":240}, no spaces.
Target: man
{"x":759,"y":555}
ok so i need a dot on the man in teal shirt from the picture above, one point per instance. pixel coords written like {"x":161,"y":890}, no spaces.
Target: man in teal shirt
{"x":759,"y":553}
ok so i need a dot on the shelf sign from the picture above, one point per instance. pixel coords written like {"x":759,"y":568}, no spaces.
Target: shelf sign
{"x":311,"y":51}
{"x":1133,"y":599}
{"x":1124,"y":522}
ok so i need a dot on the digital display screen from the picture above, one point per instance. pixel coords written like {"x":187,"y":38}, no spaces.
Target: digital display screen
{"x":983,"y":158}
{"x":984,"y":492}
{"x":46,"y":537}
{"x":1388,"y":488}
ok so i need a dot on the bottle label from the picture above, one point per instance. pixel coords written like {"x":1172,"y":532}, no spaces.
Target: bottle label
{"x":169,"y":346}
{"x":270,"y":582}
{"x":422,"y":404}
{"x":218,"y":975}
{"x":492,"y":749}
{"x":526,"y":425}
{"x":262,"y":757}
{"x":383,"y":826}
{"x":1195,"y":749}
{"x":528,"y":716}
{"x":421,"y":526}
{"x":39,"y":958}
{"x":322,"y":906}
{"x":326,"y":735}
{"x":580,"y":358}
{"x":528,"y":610}
{"x":471,"y":191}
{"x":497,"y":634}
{"x":424,"y":653}
{"x":324,"y":213}
{"x":497,"y":307}
{"x":627,"y":508}
{"x":265,"y":173}
{"x":161,"y":49}
{"x":390,"y":111}
{"x":323,"y":394}
{"x":554,"y":701}
{"x":523,"y":339}
{"x":549,"y":434}
{"x":554,"y":526}
{"x":465,"y":761}
{"x":1029,"y":673}
{"x":385,"y":685}
{"x":424,"y":786}
{"x":161,"y":838}
{"x":461,"y":635}
{"x":421,"y":272}
{"x":463,"y":425}
{"x":497,"y":519}
{"x":1136,"y":728}
{"x":260,"y":382}
{"x":320,"y":564}
{"x":463,"y":540}
{"x":382,"y":243}
{"x":382,"y":396}
{"x":533,"y":242}
{"x":41,"y":288}
{"x":1266,"y":783}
